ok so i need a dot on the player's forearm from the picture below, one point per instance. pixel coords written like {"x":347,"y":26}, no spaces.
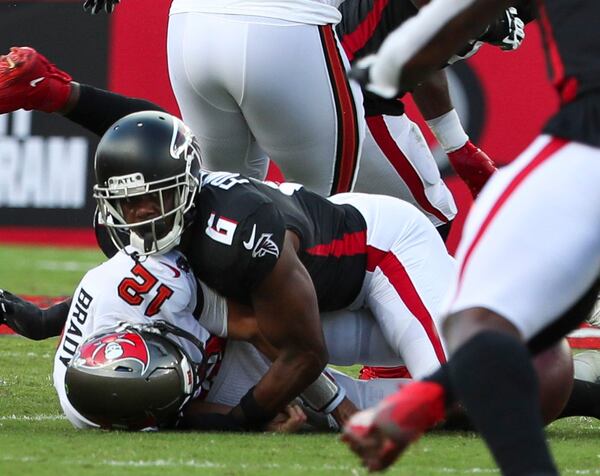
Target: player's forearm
{"x":425,"y":43}
{"x":432,"y":96}
{"x":456,"y":31}
{"x":289,"y":374}
{"x":29,"y":320}
{"x":97,"y":109}
{"x":277,"y":388}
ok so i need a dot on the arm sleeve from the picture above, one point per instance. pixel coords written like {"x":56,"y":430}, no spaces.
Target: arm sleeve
{"x":53,"y":319}
{"x":97,"y":109}
{"x":30,"y":321}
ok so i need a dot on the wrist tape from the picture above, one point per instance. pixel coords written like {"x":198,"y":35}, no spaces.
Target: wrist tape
{"x":324,"y":394}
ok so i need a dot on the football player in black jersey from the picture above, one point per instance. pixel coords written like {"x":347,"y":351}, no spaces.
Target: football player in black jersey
{"x":517,"y":290}
{"x":287,"y":252}
{"x":283,"y":250}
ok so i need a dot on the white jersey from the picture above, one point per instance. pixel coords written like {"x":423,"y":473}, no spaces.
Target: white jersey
{"x":312,"y":12}
{"x":122,"y":289}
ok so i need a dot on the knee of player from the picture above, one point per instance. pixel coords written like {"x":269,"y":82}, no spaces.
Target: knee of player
{"x":461,"y":326}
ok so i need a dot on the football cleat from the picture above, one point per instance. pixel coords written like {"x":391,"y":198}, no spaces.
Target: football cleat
{"x":369,"y":373}
{"x":380,"y":435}
{"x":29,"y":81}
{"x":473,"y":166}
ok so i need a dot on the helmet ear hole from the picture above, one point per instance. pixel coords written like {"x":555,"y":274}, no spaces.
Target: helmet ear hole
{"x":121,"y":368}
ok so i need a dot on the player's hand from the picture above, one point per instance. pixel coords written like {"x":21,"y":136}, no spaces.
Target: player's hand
{"x":365,"y":438}
{"x":96,"y":6}
{"x":508,"y":32}
{"x":289,"y":421}
{"x":343,"y":412}
{"x":17,"y":313}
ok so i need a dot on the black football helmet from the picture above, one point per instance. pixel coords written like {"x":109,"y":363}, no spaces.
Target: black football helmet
{"x":148,"y":152}
{"x":134,"y":377}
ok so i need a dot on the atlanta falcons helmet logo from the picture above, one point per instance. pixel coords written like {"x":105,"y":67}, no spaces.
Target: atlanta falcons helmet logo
{"x":115,"y":347}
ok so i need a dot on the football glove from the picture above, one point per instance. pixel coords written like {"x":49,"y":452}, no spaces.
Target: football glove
{"x":95,"y":6}
{"x":507,"y":32}
{"x":469,"y":50}
{"x":18,"y":314}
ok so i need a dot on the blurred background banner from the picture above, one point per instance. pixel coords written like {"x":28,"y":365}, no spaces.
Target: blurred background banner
{"x":46,"y":162}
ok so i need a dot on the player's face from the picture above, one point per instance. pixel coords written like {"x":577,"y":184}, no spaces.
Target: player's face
{"x":145,"y":207}
{"x":149,"y":206}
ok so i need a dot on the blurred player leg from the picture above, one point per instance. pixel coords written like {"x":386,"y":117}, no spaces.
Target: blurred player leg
{"x":519,"y":241}
{"x":396,"y":161}
{"x":471,"y":164}
{"x":536,"y":295}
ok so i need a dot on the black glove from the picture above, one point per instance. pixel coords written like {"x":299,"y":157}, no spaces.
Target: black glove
{"x":30,"y":321}
{"x":95,"y":6}
{"x":507,"y":32}
{"x":18,"y":314}
{"x":466,"y":52}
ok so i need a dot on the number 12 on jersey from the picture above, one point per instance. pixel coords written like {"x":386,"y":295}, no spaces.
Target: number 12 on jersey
{"x":132,"y":291}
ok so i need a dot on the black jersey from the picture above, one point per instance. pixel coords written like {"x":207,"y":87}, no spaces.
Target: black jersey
{"x":572,"y":44}
{"x":364,"y":26}
{"x":238,"y":234}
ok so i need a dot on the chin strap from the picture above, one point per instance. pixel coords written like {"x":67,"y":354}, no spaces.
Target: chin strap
{"x":163,"y":327}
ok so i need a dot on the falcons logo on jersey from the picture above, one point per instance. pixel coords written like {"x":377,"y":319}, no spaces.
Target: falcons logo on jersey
{"x":111,"y":348}
{"x":265,"y":245}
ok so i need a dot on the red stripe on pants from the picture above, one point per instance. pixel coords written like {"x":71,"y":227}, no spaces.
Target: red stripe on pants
{"x":346,"y":160}
{"x":393,"y":270}
{"x":402,"y":165}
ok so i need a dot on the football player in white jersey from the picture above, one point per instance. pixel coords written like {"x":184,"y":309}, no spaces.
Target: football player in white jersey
{"x":162,"y":288}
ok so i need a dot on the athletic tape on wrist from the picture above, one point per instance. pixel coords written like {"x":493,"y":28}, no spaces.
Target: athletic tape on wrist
{"x":324,"y":394}
{"x":255,"y":416}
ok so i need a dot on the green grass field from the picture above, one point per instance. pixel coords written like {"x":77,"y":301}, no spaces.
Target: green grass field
{"x":36,"y":439}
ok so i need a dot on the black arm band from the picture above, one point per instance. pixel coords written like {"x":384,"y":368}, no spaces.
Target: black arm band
{"x":97,"y":109}
{"x":250,"y":414}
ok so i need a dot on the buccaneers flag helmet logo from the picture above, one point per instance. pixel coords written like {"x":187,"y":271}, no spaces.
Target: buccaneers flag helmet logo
{"x":115,"y":347}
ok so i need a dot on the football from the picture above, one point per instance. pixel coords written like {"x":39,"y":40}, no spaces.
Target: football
{"x":554,"y":367}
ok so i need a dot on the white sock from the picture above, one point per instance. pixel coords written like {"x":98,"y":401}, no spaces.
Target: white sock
{"x":448,"y":131}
